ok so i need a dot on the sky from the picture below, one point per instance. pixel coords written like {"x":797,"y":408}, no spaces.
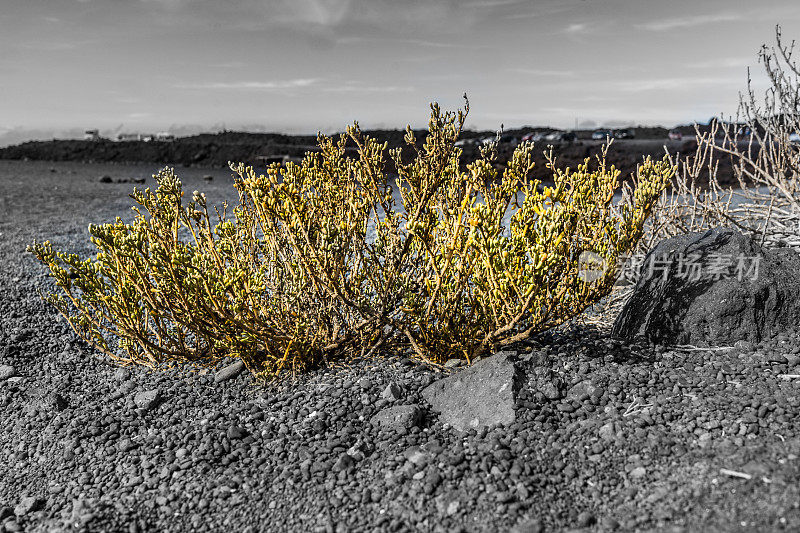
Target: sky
{"x":302,"y":66}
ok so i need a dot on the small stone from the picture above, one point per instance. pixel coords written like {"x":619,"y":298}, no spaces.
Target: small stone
{"x":416,"y":455}
{"x":106,"y":179}
{"x":607,"y":431}
{"x":208,"y":177}
{"x":54,"y":402}
{"x":609,"y":524}
{"x":581,"y":391}
{"x":453,"y":363}
{"x":452,"y":507}
{"x":122,"y":374}
{"x":29,"y":504}
{"x":392,"y":392}
{"x":236,"y":433}
{"x":550,"y":391}
{"x":147,"y":400}
{"x":125,"y":445}
{"x":529,"y":526}
{"x":638,"y":473}
{"x":229,"y":372}
{"x":400,"y":416}
{"x":345,"y":462}
{"x":586,"y":519}
{"x":7,"y":371}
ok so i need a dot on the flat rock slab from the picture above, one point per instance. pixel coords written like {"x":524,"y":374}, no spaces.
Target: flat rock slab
{"x":712,"y":288}
{"x":482,"y":395}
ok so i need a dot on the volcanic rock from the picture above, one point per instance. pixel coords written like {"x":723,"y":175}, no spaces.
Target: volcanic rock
{"x":482,"y":395}
{"x":712,"y":288}
{"x":400,"y":416}
{"x":7,"y":371}
{"x":28,"y":504}
{"x":147,"y":400}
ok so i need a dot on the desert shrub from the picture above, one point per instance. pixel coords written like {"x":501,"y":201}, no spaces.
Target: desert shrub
{"x":762,"y":144}
{"x":318,"y":262}
{"x":486,"y":283}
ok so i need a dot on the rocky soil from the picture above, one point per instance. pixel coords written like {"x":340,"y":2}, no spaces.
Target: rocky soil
{"x":602,"y":435}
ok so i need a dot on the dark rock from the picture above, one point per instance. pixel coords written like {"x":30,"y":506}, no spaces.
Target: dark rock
{"x":482,"y":395}
{"x":345,"y":462}
{"x":55,"y":401}
{"x":106,"y":179}
{"x":236,"y":433}
{"x":586,"y":519}
{"x":550,"y":390}
{"x":684,"y":295}
{"x":29,"y":504}
{"x":401,"y":416}
{"x":147,"y":400}
{"x":581,"y":391}
{"x":392,"y":392}
{"x":229,"y":372}
{"x":208,"y":177}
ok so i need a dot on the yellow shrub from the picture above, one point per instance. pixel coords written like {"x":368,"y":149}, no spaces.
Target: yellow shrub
{"x":318,"y":262}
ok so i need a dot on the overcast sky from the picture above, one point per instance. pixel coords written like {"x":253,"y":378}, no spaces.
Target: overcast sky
{"x":309,"y":65}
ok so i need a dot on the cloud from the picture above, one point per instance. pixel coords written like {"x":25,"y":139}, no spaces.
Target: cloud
{"x":545,"y":72}
{"x":723,"y":62}
{"x":415,"y":42}
{"x":253,"y":85}
{"x":689,"y":22}
{"x":576,"y":28}
{"x":484,"y":4}
{"x":51,"y":46}
{"x":355,"y":88}
{"x":671,"y":84}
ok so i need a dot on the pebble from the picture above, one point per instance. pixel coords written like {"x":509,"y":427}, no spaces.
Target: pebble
{"x":229,"y":372}
{"x":7,"y":371}
{"x":147,"y":400}
{"x":236,"y":433}
{"x":28,"y":505}
{"x":550,"y":390}
{"x":392,"y":392}
{"x":399,"y":417}
{"x":528,"y":526}
{"x":638,"y":473}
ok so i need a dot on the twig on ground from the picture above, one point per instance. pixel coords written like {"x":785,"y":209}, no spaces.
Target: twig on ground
{"x":636,"y":407}
{"x":692,"y":348}
{"x":734,"y":473}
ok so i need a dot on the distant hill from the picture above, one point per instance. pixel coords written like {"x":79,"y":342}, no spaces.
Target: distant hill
{"x":258,"y":149}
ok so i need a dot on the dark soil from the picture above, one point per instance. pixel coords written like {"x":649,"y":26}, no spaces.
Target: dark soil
{"x":83,"y":450}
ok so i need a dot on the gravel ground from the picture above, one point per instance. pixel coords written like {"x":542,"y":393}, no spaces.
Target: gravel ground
{"x":608,"y":436}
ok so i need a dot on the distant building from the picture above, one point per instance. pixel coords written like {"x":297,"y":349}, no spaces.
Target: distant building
{"x":165,"y":136}
{"x":122,"y":137}
{"x":91,"y":135}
